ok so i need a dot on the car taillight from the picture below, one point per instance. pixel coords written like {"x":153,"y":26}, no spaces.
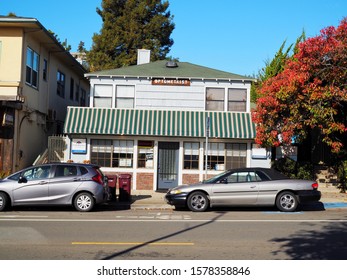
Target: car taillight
{"x":315,"y":186}
{"x":98,"y":178}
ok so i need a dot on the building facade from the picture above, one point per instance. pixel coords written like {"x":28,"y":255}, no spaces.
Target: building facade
{"x":38,"y":80}
{"x":165,"y":123}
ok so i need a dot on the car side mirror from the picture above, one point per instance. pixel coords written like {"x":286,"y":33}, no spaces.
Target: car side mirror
{"x":223,"y":181}
{"x":22,"y":180}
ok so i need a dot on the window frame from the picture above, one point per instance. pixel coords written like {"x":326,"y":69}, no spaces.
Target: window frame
{"x":190,"y":158}
{"x":32,"y":68}
{"x":61,"y":78}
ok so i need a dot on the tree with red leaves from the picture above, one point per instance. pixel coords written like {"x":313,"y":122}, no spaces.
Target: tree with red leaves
{"x":310,"y":93}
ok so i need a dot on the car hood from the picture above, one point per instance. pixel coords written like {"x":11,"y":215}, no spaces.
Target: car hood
{"x":185,"y":188}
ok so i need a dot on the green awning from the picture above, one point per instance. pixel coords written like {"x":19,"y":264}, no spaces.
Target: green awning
{"x":109,"y":121}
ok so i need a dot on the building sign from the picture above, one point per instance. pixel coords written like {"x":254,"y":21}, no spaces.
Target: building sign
{"x":79,"y":146}
{"x":258,"y":152}
{"x":170,"y":82}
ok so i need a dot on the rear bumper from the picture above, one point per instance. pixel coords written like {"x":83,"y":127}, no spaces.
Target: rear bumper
{"x":309,"y":196}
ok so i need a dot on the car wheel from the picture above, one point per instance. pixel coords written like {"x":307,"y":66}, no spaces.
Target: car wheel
{"x":198,"y":202}
{"x":287,"y":202}
{"x":84,"y":202}
{"x":3,"y":201}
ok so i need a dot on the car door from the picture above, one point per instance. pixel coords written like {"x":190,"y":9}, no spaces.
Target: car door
{"x":64,"y":182}
{"x":32,"y":187}
{"x":237,"y":188}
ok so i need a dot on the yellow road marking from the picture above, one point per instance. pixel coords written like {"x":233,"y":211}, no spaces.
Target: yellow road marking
{"x":136,"y":243}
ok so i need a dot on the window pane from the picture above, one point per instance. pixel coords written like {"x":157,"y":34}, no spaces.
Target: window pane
{"x":145,"y":154}
{"x":236,"y":155}
{"x":105,"y":102}
{"x":215,"y":99}
{"x":237,"y":99}
{"x":191,"y":155}
{"x":101,"y":152}
{"x":103,"y":90}
{"x":126,"y":91}
{"x":125,"y":103}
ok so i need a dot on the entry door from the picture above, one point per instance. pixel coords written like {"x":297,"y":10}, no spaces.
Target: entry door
{"x":168,"y":164}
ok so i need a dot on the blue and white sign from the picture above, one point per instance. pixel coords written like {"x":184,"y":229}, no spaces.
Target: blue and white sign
{"x":79,"y":146}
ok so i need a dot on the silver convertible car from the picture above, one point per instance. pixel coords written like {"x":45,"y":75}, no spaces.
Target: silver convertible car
{"x":245,"y":187}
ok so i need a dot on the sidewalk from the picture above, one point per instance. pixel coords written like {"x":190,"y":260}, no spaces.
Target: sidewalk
{"x":152,"y":200}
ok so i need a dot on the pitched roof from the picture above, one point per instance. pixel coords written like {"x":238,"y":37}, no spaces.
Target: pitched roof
{"x":46,"y":38}
{"x":159,"y":69}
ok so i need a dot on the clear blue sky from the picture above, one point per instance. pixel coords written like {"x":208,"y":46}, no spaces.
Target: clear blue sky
{"x":231,"y":35}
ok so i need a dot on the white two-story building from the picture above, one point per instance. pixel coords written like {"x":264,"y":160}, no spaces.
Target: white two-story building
{"x":165,"y":123}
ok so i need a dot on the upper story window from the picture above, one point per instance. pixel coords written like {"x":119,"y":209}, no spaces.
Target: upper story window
{"x":32,"y":68}
{"x":45,"y":70}
{"x":60,"y":84}
{"x":72,"y":88}
{"x":77,"y":95}
{"x":125,"y":96}
{"x":237,"y":99}
{"x":103,"y":96}
{"x":215,"y":99}
{"x":83,"y":97}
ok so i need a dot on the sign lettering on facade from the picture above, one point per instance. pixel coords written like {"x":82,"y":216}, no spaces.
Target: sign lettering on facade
{"x":170,"y":82}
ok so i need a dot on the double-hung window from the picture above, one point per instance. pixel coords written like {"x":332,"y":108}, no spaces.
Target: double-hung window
{"x":103,"y":96}
{"x":237,"y":99}
{"x":60,"y":84}
{"x":32,"y":68}
{"x":215,"y":99}
{"x":125,"y":96}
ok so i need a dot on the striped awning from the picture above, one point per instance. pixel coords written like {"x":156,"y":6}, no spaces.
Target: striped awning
{"x":110,"y":121}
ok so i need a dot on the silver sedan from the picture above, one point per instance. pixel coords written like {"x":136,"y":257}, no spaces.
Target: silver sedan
{"x":245,"y":187}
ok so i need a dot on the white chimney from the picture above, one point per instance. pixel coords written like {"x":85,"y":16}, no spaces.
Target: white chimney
{"x":143,"y":56}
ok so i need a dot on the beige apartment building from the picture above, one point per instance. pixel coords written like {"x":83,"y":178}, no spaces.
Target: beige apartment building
{"x":38,"y":80}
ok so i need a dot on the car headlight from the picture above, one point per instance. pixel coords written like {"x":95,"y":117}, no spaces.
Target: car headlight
{"x":175,"y":191}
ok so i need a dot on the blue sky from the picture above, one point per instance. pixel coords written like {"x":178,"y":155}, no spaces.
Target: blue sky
{"x":231,"y":35}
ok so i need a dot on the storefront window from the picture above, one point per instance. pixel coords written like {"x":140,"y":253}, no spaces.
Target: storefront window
{"x":191,"y":155}
{"x":108,"y":153}
{"x":236,"y":155}
{"x":224,"y":156}
{"x":215,"y":156}
{"x":101,"y":152}
{"x":123,"y":151}
{"x":145,"y":154}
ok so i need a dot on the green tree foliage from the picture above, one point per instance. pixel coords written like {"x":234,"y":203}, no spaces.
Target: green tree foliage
{"x":275,"y":66}
{"x":310,"y":93}
{"x":129,"y":25}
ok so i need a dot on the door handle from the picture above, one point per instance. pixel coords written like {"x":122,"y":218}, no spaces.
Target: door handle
{"x":252,"y":187}
{"x":43,"y":182}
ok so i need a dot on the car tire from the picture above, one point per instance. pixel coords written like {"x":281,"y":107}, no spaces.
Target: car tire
{"x":3,"y":201}
{"x":287,"y":202}
{"x":84,"y":202}
{"x":198,"y":202}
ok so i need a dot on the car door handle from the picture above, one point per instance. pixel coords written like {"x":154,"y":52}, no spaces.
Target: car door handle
{"x":76,"y":179}
{"x":252,"y":187}
{"x":43,"y":182}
